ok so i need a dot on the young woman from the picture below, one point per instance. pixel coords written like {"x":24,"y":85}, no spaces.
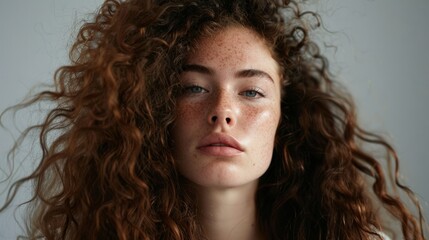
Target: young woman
{"x":190,"y":119}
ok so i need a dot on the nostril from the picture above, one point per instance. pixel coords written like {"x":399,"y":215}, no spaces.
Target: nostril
{"x":214,"y":119}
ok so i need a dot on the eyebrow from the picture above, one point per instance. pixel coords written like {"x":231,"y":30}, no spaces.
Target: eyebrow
{"x":241,"y":74}
{"x":254,"y":73}
{"x":197,"y":68}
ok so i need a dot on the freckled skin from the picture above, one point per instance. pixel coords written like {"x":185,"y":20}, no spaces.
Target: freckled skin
{"x":253,"y":120}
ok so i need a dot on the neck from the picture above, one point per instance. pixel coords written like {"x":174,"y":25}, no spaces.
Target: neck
{"x":228,"y":213}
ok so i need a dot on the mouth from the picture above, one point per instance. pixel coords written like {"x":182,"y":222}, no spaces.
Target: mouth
{"x":219,"y":144}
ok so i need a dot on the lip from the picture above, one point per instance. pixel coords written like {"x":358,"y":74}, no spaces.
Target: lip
{"x":220,"y":144}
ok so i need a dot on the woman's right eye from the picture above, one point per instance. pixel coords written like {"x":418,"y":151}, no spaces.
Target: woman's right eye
{"x":194,"y":89}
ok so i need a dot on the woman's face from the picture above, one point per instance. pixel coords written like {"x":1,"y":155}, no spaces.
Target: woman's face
{"x":228,"y":111}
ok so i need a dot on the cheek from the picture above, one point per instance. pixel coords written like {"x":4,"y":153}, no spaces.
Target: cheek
{"x":266,"y":134}
{"x":261,"y":126}
{"x":187,"y":113}
{"x":261,"y":120}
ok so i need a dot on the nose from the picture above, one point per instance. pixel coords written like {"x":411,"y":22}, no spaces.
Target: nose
{"x":222,"y":110}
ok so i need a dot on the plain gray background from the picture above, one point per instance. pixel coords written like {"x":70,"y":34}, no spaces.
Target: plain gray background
{"x":381,"y":55}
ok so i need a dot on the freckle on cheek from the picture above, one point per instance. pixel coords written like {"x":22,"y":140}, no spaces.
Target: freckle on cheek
{"x":187,"y":112}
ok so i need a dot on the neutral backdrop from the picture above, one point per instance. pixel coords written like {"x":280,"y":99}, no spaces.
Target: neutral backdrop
{"x":380,"y":54}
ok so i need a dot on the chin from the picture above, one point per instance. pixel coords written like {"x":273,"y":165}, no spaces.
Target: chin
{"x":225,"y":180}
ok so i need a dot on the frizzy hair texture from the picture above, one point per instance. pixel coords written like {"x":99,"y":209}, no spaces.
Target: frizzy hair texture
{"x":110,"y":173}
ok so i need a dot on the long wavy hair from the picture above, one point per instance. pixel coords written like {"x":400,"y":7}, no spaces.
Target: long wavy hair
{"x":107,"y":170}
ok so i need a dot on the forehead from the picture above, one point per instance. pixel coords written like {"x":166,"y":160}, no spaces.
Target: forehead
{"x":231,"y":38}
{"x":231,"y":46}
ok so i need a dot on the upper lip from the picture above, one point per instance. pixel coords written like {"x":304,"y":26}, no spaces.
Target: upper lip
{"x":220,"y":138}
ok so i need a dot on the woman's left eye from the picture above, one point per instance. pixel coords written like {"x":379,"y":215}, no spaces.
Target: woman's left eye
{"x":253,"y":93}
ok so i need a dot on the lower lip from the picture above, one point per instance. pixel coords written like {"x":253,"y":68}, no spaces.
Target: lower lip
{"x":220,"y":151}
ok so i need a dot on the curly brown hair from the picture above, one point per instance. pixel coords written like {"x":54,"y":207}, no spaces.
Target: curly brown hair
{"x":110,"y":174}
